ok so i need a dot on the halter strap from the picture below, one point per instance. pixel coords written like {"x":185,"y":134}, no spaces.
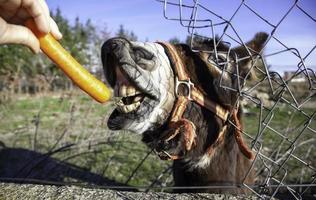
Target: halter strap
{"x":183,"y":79}
{"x":195,"y":95}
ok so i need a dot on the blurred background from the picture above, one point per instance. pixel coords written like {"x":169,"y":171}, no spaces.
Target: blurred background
{"x":50,"y":132}
{"x":86,"y":25}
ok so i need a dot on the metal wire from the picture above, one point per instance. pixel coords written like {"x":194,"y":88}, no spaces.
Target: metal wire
{"x":283,"y":136}
{"x":294,"y":143}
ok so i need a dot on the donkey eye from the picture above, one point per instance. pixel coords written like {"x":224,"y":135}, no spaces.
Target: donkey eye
{"x":220,"y":61}
{"x":144,"y":58}
{"x":141,"y":53}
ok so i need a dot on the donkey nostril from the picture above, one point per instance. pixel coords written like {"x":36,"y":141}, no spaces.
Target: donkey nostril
{"x":113,"y":46}
{"x":159,"y":147}
{"x":162,"y":145}
{"x":167,"y":145}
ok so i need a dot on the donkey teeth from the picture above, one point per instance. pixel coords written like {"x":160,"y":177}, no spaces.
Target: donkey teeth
{"x":127,"y":90}
{"x":138,"y":98}
{"x":127,"y":108}
{"x":120,"y":103}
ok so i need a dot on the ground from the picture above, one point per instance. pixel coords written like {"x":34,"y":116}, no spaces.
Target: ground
{"x":34,"y":192}
{"x":68,"y":131}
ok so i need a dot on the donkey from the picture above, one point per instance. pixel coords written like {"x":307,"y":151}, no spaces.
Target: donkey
{"x":172,"y":96}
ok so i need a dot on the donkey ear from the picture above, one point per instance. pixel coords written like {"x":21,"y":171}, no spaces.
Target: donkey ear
{"x":254,"y":46}
{"x":250,"y":52}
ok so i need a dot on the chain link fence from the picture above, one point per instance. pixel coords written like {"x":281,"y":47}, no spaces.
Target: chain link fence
{"x":65,"y":142}
{"x":280,"y":107}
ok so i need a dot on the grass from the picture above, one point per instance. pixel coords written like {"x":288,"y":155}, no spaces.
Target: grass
{"x":48,"y":122}
{"x":288,"y":139}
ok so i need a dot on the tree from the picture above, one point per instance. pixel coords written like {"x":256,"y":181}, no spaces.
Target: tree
{"x":132,"y":36}
{"x":101,"y":35}
{"x":174,"y":40}
{"x":122,"y":32}
{"x":188,"y":40}
{"x":82,"y":40}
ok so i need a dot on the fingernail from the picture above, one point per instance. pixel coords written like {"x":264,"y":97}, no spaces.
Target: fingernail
{"x":60,"y":35}
{"x":35,"y":50}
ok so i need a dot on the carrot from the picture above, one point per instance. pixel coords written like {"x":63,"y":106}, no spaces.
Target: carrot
{"x":76,"y":72}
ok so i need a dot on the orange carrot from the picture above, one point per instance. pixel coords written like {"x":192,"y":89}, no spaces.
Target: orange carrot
{"x":76,"y":72}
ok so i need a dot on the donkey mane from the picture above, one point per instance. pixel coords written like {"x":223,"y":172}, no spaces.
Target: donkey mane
{"x":209,"y":44}
{"x":227,"y":165}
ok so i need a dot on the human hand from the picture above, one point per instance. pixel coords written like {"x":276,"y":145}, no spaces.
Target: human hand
{"x":13,"y":15}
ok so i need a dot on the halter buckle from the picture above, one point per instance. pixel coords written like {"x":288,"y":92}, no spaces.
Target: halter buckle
{"x":188,"y":84}
{"x":163,"y":155}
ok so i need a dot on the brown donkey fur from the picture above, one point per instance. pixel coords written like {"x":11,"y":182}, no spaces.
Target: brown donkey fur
{"x":226,"y":165}
{"x":215,"y":159}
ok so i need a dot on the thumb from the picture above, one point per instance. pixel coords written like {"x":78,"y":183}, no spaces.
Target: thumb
{"x":16,"y":34}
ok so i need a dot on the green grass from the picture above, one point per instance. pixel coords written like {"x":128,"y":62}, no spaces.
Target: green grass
{"x":78,"y":120}
{"x":286,"y":133}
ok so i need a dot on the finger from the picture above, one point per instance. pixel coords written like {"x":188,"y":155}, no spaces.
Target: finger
{"x":45,"y":11}
{"x":20,"y":17}
{"x":53,"y":26}
{"x":54,"y":30}
{"x":9,"y":8}
{"x":6,"y":14}
{"x":45,"y":7}
{"x":16,"y":34}
{"x":37,"y":12}
{"x":3,"y":25}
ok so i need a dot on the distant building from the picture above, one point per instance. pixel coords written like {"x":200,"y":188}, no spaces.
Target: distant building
{"x":296,"y":77}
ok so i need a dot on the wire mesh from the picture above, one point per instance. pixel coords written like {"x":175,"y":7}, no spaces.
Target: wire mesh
{"x":282,"y":106}
{"x":279,"y":111}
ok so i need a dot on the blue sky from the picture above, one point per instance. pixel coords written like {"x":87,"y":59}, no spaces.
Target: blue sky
{"x":145,"y":18}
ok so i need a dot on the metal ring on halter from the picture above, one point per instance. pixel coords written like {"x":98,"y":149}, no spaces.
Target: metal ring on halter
{"x":163,"y":155}
{"x":189,"y":85}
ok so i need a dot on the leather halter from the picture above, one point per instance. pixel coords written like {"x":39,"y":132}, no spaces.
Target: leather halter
{"x":192,"y":93}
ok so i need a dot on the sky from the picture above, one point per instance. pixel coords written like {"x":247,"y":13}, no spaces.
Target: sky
{"x":146,"y":19}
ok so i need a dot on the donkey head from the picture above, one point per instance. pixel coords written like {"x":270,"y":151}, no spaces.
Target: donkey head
{"x":142,"y":76}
